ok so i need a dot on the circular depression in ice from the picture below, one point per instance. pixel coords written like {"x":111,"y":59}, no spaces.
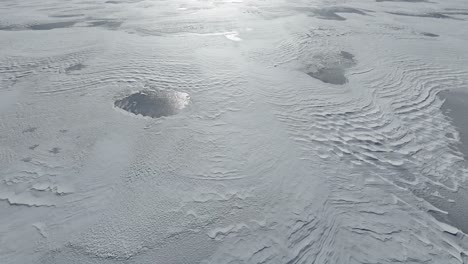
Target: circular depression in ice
{"x":154,"y":103}
{"x":334,"y":71}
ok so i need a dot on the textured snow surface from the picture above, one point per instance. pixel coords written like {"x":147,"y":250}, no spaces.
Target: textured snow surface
{"x":246,"y":131}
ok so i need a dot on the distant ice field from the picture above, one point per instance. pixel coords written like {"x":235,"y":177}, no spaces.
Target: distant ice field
{"x":241,"y":131}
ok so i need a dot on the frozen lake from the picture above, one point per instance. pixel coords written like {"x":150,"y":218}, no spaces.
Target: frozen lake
{"x":241,"y":131}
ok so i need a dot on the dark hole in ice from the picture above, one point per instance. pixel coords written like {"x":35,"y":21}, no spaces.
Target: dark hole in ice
{"x":427,"y":34}
{"x":331,"y":13}
{"x":49,"y":26}
{"x":154,"y":103}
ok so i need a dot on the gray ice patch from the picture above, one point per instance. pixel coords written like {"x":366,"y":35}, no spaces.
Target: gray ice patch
{"x":76,"y":67}
{"x":427,"y":15}
{"x":427,"y":34}
{"x":334,"y":73}
{"x":332,"y":13}
{"x":456,"y":107}
{"x":50,"y":26}
{"x":154,"y":103}
{"x":110,"y":24}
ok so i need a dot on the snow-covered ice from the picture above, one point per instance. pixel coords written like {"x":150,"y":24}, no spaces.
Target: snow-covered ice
{"x":144,"y":131}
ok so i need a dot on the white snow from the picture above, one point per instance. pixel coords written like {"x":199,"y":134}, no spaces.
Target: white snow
{"x":266,"y":164}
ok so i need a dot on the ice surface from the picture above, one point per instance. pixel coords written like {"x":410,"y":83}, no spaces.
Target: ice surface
{"x":233,"y":131}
